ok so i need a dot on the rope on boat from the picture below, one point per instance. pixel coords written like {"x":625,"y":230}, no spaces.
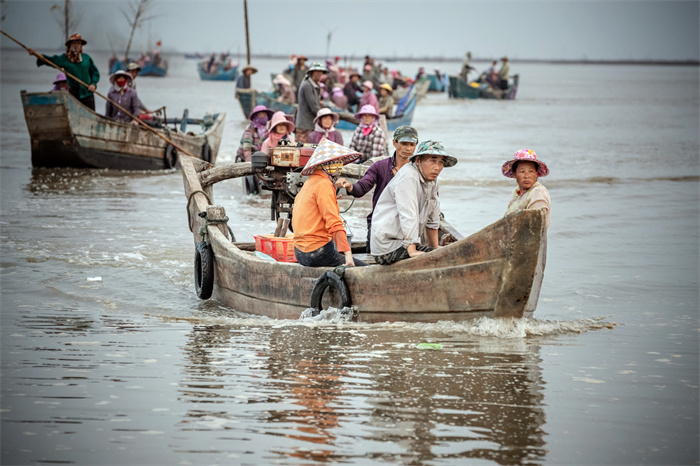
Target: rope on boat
{"x":353,"y":201}
{"x":189,"y":201}
{"x":208,"y":221}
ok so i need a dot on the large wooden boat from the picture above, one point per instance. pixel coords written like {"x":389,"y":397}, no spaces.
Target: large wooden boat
{"x":460,"y":89}
{"x":65,"y":133}
{"x":249,"y":98}
{"x":496,"y":272}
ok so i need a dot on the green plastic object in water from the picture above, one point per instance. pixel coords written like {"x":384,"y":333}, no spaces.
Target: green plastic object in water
{"x":429,"y":346}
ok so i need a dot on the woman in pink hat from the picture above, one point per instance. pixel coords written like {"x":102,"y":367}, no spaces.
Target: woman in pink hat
{"x":280,"y":128}
{"x":526,"y":168}
{"x":368,"y":97}
{"x":60,"y":84}
{"x":324,"y":127}
{"x":368,"y":138}
{"x":254,"y":134}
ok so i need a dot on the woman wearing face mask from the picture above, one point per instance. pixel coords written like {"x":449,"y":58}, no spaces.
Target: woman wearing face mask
{"x":254,"y":133}
{"x":368,"y":138}
{"x":319,"y":235}
{"x":324,"y":127}
{"x":123,"y":95}
{"x":280,"y":128}
{"x":80,"y":65}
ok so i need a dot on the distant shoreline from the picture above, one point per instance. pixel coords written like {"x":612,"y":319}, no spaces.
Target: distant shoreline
{"x":388,"y":59}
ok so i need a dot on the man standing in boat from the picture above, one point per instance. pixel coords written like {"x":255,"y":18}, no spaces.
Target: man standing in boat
{"x":382,"y":172}
{"x":243,"y":81}
{"x":80,"y":65}
{"x":410,"y":205}
{"x":309,"y":99}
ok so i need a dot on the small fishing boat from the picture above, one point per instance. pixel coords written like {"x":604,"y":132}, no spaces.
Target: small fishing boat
{"x":496,"y":272}
{"x":422,"y":86}
{"x":460,"y":89}
{"x":437,"y":83}
{"x":158,"y":70}
{"x":65,"y":133}
{"x":403,"y":115}
{"x":221,"y":74}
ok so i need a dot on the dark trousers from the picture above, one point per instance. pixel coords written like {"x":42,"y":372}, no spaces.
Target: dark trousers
{"x":325,"y":256}
{"x":399,"y":255}
{"x":369,"y":235}
{"x":88,"y":101}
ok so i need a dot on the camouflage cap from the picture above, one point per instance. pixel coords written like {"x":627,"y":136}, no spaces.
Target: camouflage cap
{"x":430,"y":147}
{"x":406,"y":134}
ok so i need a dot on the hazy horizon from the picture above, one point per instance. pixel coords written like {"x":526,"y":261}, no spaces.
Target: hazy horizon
{"x":534,"y":30}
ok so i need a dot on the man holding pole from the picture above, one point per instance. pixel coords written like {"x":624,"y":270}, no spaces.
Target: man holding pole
{"x":78,"y":64}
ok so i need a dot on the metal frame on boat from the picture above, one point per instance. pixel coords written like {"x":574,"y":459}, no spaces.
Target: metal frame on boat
{"x":495,"y":272}
{"x":65,"y":133}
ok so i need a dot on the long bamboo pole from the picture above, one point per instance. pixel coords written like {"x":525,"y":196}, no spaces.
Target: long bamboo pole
{"x":247,"y":40}
{"x":136,"y":119}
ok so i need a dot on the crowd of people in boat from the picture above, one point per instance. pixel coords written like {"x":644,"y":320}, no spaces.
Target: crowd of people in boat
{"x":346,"y":88}
{"x":495,"y":77}
{"x":224,"y":62}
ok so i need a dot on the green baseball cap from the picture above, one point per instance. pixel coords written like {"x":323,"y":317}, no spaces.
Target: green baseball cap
{"x":406,"y":134}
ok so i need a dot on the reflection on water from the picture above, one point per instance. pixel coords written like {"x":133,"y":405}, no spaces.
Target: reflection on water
{"x":311,"y":386}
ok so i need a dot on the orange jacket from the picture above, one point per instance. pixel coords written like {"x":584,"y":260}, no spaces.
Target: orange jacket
{"x":316,"y":216}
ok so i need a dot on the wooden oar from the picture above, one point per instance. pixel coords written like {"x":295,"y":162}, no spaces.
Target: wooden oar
{"x":41,"y":57}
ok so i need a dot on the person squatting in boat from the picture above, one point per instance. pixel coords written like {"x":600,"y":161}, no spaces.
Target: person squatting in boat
{"x":380,"y":173}
{"x":409,"y":205}
{"x":319,"y":233}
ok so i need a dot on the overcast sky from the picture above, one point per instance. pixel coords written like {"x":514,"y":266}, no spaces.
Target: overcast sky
{"x":631,"y":29}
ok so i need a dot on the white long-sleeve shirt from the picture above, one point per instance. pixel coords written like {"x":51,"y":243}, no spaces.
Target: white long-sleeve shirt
{"x":405,"y":208}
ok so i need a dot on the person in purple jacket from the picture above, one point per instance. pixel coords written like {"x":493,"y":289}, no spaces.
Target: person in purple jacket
{"x":123,"y":95}
{"x":324,"y":126}
{"x":380,"y":173}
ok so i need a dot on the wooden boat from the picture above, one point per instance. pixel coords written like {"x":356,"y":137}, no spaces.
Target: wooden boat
{"x":496,"y":272}
{"x":65,"y":133}
{"x":460,"y":89}
{"x":422,"y":86}
{"x":249,"y":98}
{"x":221,"y":74}
{"x":436,"y":83}
{"x":158,"y":70}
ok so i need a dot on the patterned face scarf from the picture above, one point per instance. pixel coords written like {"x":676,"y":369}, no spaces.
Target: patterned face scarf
{"x":259,"y":122}
{"x":74,"y":56}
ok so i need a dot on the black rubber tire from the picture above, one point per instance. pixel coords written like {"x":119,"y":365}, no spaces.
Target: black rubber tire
{"x":203,"y":271}
{"x":170,"y":157}
{"x":329,"y":280}
{"x":206,"y":152}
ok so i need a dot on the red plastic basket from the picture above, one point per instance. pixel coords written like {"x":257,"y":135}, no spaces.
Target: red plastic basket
{"x":280,"y":249}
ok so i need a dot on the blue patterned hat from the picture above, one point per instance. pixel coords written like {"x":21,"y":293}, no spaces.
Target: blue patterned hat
{"x":430,"y":147}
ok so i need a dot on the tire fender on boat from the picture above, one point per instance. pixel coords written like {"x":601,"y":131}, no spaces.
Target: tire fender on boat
{"x":206,"y":152}
{"x":203,"y":271}
{"x":170,"y":156}
{"x":329,"y":279}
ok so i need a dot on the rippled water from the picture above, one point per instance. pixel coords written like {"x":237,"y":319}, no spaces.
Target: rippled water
{"x":134,"y":369}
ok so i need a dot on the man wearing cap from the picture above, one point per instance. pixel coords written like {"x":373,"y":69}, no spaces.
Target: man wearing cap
{"x":299,"y":72}
{"x":133,"y":69}
{"x":382,"y":172}
{"x":309,"y":98}
{"x":243,"y":81}
{"x":80,"y":65}
{"x":410,"y":205}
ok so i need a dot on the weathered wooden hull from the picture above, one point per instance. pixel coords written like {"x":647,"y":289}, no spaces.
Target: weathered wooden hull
{"x":460,"y":89}
{"x":496,"y":272}
{"x":220,"y":75}
{"x":65,"y":133}
{"x":436,"y":84}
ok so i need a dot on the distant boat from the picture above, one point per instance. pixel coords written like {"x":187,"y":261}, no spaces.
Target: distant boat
{"x":221,"y":75}
{"x":460,"y":89}
{"x":65,"y":133}
{"x":250,"y":98}
{"x":148,"y":69}
{"x":437,"y":84}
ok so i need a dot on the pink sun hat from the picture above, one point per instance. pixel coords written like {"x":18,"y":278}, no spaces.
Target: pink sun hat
{"x":367,"y":109}
{"x":368,"y":84}
{"x":524,"y":155}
